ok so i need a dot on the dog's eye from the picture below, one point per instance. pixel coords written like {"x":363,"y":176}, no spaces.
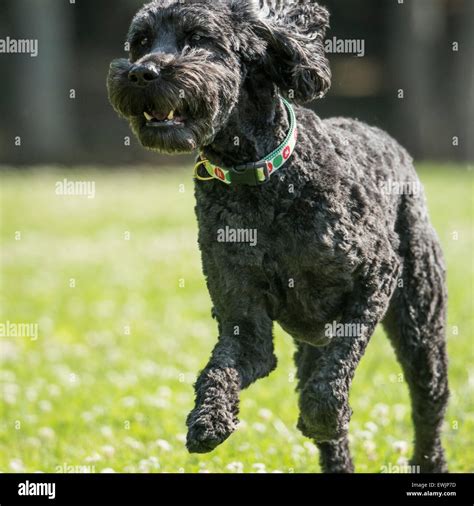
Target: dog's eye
{"x":195,"y":37}
{"x":144,"y":42}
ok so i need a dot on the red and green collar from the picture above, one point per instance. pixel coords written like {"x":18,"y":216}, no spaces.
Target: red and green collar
{"x":254,"y":173}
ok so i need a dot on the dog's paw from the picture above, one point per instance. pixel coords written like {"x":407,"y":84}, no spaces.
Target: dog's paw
{"x":322,"y":424}
{"x":208,"y":428}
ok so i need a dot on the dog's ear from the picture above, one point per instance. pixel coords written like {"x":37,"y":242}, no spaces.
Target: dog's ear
{"x":294,"y":32}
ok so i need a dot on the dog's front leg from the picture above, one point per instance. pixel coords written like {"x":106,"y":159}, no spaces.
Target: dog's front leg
{"x":243,"y":354}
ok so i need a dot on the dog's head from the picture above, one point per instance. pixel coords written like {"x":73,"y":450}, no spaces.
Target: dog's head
{"x":189,"y":60}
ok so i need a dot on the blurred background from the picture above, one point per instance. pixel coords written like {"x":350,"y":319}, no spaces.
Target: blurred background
{"x":424,"y":48}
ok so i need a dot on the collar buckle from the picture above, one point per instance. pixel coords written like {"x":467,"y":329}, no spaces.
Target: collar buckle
{"x":249,"y":174}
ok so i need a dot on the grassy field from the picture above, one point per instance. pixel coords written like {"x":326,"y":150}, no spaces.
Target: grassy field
{"x":124,"y":324}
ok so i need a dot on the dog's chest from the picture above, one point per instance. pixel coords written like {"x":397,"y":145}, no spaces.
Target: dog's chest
{"x":288,"y":249}
{"x":308,"y":284}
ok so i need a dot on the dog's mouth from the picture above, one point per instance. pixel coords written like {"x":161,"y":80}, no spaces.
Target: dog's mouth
{"x":158,"y":119}
{"x":165,"y":127}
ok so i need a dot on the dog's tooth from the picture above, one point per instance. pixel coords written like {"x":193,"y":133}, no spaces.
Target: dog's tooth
{"x":171,"y":115}
{"x":148,"y":116}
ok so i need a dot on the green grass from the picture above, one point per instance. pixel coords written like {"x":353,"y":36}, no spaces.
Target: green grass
{"x":89,"y":393}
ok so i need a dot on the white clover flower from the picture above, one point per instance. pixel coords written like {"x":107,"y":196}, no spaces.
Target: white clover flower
{"x":266,"y":414}
{"x":400,"y":447}
{"x":17,"y":466}
{"x":165,"y":391}
{"x":380,"y":413}
{"x":47,"y":433}
{"x":95,"y":457}
{"x":365,"y":434}
{"x":10,"y":392}
{"x":144,"y":466}
{"x":157,"y":402}
{"x":162,"y":444}
{"x":243,"y":447}
{"x":373,"y":427}
{"x":153,"y":463}
{"x":369,"y":446}
{"x":402,"y":462}
{"x":54,"y":390}
{"x":33,"y":441}
{"x":259,"y":427}
{"x":399,"y":411}
{"x":108,"y":450}
{"x":45,"y":406}
{"x":235,"y":467}
{"x":106,"y":431}
{"x":470,"y":377}
{"x":88,"y":416}
{"x":32,"y":394}
{"x":133,"y":443}
{"x":129,"y":401}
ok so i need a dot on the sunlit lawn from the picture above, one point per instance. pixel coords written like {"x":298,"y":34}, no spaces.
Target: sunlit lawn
{"x":108,"y":382}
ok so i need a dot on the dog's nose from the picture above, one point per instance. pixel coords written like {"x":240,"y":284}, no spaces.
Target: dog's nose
{"x":143,"y":75}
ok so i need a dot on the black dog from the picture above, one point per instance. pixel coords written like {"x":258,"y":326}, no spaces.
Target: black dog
{"x":343,"y":236}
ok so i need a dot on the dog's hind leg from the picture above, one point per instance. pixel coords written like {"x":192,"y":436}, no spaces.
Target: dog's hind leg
{"x":326,"y":373}
{"x":415,"y":324}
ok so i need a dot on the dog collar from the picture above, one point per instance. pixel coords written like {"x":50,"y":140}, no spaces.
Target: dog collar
{"x":254,"y":173}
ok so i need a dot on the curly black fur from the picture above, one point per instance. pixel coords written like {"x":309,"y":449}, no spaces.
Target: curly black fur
{"x":333,"y":245}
